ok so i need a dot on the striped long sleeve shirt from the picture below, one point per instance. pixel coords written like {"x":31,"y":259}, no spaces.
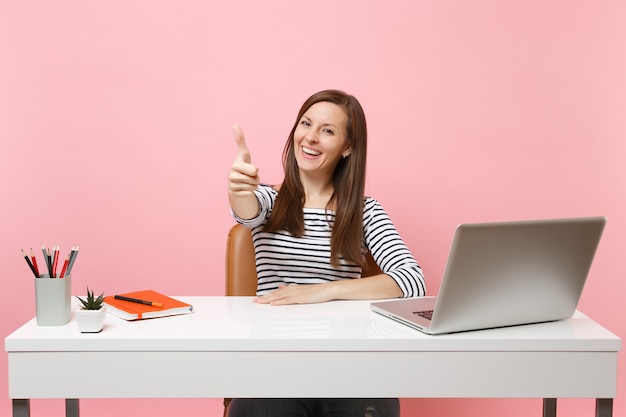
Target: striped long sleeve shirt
{"x":284,"y":259}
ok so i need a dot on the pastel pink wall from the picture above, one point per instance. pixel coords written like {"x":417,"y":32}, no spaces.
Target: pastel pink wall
{"x":115,"y":123}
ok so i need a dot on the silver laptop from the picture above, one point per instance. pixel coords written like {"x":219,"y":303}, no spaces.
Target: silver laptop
{"x":506,"y":274}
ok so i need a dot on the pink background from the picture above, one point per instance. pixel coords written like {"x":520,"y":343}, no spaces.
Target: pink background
{"x":115,"y":133}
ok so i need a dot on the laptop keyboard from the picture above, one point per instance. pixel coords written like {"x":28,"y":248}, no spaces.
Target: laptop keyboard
{"x":427,"y":314}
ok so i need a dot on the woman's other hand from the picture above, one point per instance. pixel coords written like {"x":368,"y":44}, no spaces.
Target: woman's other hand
{"x":296,"y":294}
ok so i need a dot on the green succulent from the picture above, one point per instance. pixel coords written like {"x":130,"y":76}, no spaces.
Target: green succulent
{"x":91,"y":302}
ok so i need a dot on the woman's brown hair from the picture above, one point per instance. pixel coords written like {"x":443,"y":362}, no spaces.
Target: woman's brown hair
{"x":348,"y":181}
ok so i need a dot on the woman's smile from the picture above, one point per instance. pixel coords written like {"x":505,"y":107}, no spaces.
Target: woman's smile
{"x":308,"y":152}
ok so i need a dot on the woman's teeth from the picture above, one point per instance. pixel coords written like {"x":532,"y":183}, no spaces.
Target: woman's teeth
{"x":310,"y":151}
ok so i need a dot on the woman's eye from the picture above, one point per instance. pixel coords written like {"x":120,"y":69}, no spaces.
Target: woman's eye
{"x":329,"y":131}
{"x":305,"y":123}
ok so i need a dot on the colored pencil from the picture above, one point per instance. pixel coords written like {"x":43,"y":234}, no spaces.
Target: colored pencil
{"x":65,"y":264}
{"x":30,"y":264}
{"x":73,"y":256}
{"x":32,"y":257}
{"x":55,"y":261}
{"x":45,"y":258}
{"x":49,"y":257}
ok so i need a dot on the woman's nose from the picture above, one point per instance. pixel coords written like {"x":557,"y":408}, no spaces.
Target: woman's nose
{"x":311,"y":137}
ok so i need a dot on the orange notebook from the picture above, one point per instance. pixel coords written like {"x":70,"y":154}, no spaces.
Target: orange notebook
{"x":129,"y":310}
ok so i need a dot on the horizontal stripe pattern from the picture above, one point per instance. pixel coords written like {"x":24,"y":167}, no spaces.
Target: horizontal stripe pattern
{"x":285,"y":259}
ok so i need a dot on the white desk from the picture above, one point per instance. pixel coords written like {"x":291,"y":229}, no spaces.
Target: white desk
{"x":355,"y":352}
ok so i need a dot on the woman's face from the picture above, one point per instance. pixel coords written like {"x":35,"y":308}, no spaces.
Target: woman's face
{"x":320,"y":138}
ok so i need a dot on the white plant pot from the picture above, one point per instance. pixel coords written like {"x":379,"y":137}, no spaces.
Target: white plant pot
{"x":91,"y":321}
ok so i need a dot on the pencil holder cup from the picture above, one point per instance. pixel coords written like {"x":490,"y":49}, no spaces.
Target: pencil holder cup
{"x":52,"y":300}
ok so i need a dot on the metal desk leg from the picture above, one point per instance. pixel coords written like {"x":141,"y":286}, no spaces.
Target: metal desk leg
{"x":604,"y":407}
{"x":21,"y":408}
{"x":549,"y":407}
{"x":71,"y":407}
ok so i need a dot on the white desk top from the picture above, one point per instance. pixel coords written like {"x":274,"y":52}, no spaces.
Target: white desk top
{"x":238,"y":324}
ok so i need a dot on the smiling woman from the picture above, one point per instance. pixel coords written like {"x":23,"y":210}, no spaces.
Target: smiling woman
{"x":312,"y":232}
{"x":305,"y":230}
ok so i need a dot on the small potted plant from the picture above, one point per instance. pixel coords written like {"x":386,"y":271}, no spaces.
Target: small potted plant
{"x":90,"y":316}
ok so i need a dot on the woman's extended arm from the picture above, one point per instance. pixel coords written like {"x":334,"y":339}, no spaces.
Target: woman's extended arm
{"x":243,"y":179}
